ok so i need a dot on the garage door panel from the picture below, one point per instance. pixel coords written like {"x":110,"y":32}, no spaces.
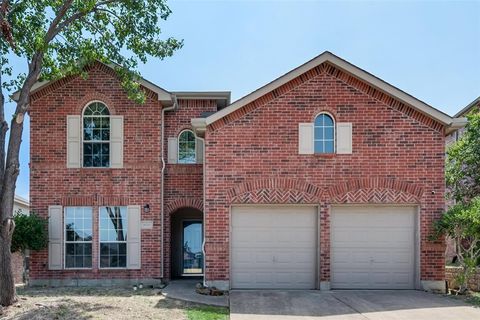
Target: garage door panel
{"x":279,"y":240}
{"x":372,"y":247}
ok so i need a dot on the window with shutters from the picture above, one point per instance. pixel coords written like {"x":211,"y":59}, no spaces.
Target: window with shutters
{"x":113,"y":225}
{"x":78,"y":237}
{"x":186,"y":147}
{"x":324,"y":134}
{"x":96,"y":135}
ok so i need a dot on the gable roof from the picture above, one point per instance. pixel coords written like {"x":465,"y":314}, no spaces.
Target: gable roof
{"x":349,"y":68}
{"x":163,"y":95}
{"x":468,"y":108}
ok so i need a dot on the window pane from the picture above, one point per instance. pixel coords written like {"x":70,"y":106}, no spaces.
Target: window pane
{"x":87,"y":161}
{"x":113,"y":234}
{"x":319,"y":147}
{"x":327,"y":121}
{"x":319,"y":121}
{"x":105,"y":134}
{"x":78,"y":237}
{"x":329,"y":133}
{"x":318,"y":133}
{"x":329,"y":146}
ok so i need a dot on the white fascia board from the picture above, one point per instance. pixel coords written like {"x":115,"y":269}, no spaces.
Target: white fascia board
{"x":347,"y":67}
{"x":199,"y":126}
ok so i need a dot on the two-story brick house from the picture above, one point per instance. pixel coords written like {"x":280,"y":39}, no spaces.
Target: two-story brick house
{"x":327,"y":177}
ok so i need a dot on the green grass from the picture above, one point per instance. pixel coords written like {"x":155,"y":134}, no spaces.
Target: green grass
{"x":207,"y":313}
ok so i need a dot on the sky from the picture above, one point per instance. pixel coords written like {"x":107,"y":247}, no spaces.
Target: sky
{"x":430,"y":49}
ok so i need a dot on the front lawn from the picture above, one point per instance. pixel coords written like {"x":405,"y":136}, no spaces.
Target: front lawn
{"x":104,"y":303}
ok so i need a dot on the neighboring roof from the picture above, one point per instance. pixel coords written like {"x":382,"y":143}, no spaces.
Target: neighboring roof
{"x":222,"y":97}
{"x":22,"y":201}
{"x":347,"y":67}
{"x":467,"y":109}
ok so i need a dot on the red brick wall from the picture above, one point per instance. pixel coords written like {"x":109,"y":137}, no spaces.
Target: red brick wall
{"x":252,"y":157}
{"x":138,"y":183}
{"x":17,"y":266}
{"x":183,"y":182}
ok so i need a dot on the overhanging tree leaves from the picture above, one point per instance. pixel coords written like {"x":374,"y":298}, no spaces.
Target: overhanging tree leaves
{"x":463,"y":163}
{"x":57,"y":38}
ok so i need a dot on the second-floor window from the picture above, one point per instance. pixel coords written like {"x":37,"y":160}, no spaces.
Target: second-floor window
{"x":186,"y":147}
{"x":324,"y":134}
{"x":96,"y":135}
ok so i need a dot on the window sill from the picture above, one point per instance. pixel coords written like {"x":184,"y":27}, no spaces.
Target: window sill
{"x":325,"y":155}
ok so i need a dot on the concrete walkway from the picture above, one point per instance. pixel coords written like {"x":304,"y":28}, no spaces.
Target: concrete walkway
{"x":185,"y":290}
{"x":347,"y":305}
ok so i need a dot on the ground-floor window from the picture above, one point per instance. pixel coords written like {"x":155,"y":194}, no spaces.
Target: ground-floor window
{"x":113,"y":225}
{"x":78,"y":237}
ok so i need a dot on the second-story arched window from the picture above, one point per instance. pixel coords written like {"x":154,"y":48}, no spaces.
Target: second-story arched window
{"x":324,"y":136}
{"x":96,"y":135}
{"x":186,"y":147}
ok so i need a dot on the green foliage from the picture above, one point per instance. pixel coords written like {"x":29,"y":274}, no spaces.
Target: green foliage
{"x":463,"y":163}
{"x":462,"y":224}
{"x":123,"y":32}
{"x":207,"y":313}
{"x":30,"y":232}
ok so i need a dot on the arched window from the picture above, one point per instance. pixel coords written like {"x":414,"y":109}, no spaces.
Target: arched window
{"x":324,"y":136}
{"x":186,"y":147}
{"x":96,"y":135}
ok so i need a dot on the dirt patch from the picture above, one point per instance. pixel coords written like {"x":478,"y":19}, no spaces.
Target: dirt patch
{"x":93,"y":303}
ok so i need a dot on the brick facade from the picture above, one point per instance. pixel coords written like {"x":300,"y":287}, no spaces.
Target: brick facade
{"x":252,"y":157}
{"x":138,"y":183}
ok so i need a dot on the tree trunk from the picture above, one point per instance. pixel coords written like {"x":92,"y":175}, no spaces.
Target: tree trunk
{"x":7,"y":283}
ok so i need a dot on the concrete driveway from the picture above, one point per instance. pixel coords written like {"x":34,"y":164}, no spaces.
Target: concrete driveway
{"x":348,"y":305}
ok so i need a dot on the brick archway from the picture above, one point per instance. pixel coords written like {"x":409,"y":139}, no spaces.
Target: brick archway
{"x":176,"y":204}
{"x":275,"y":191}
{"x":375,"y":190}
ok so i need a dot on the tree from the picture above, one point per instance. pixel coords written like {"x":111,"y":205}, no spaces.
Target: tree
{"x":462,"y":224}
{"x":58,"y":38}
{"x":463,"y":163}
{"x":30,"y":233}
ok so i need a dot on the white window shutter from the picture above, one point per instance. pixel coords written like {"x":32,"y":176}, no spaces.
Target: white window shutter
{"x":73,"y":141}
{"x":344,"y":138}
{"x":134,"y":239}
{"x":116,"y":141}
{"x":55,"y":238}
{"x":305,"y":138}
{"x":199,"y":147}
{"x":172,"y":150}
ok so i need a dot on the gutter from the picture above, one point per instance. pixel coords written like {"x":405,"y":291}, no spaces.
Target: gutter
{"x":457,"y":123}
{"x":162,"y":206}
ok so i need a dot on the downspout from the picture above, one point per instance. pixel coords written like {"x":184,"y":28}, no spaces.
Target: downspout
{"x":203,"y":216}
{"x":162,"y":207}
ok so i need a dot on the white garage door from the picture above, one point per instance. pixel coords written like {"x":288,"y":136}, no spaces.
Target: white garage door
{"x":273,"y":247}
{"x":373,"y":247}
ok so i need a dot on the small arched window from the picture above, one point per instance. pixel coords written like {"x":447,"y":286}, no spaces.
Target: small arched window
{"x":324,"y":136}
{"x":96,"y":135}
{"x":186,"y":147}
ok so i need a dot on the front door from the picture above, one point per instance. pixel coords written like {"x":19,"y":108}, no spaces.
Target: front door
{"x":192,"y":264}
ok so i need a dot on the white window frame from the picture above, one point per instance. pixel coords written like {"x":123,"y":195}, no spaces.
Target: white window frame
{"x":74,"y":242}
{"x":195,"y":147}
{"x":93,"y":141}
{"x":334,"y":134}
{"x":100,"y":241}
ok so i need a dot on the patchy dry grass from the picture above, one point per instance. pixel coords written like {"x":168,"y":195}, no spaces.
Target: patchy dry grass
{"x":103,"y":303}
{"x":472,"y":298}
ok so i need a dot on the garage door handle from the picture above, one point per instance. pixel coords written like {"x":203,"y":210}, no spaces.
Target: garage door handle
{"x":274,"y":259}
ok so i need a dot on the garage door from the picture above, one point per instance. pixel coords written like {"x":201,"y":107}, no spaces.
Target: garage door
{"x":273,"y":247}
{"x":373,"y":247}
